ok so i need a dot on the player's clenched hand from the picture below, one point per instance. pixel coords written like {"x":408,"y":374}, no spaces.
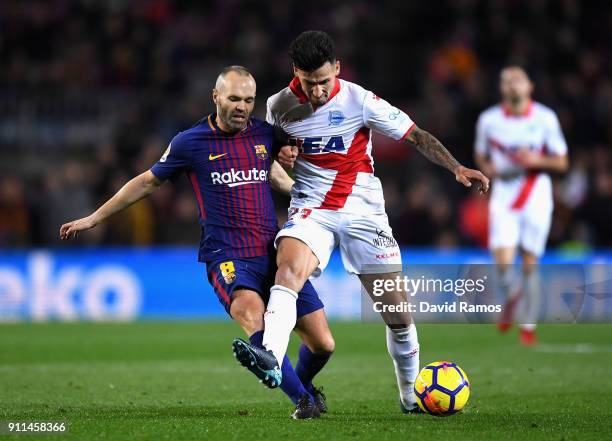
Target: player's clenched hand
{"x":467,"y":175}
{"x":287,"y":156}
{"x":527,"y":158}
{"x":70,"y":229}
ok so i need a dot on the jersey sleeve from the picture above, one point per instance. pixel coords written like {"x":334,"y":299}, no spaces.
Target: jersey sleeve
{"x":384,"y":118}
{"x":175,"y":160}
{"x":280,"y":139}
{"x":269,"y":115}
{"x":555,"y":141}
{"x":480,"y":144}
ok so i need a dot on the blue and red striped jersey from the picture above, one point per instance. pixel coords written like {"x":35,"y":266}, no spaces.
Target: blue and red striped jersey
{"x":229,"y":174}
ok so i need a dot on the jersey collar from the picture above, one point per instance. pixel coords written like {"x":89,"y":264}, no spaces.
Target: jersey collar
{"x":527,"y":112}
{"x":296,"y":88}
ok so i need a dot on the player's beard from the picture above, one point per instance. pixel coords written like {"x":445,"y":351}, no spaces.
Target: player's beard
{"x":319,"y":101}
{"x":515,"y":99}
{"x":232,"y":124}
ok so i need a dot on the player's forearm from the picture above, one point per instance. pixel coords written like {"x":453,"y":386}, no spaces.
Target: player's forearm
{"x":133,"y":191}
{"x":429,"y":146}
{"x":283,"y":186}
{"x":555,"y":163}
{"x":279,"y":179}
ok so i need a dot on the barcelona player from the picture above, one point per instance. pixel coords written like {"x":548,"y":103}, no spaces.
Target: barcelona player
{"x":227,"y":158}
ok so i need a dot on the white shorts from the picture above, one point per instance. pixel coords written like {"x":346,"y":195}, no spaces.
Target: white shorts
{"x":366,"y":243}
{"x":527,"y":227}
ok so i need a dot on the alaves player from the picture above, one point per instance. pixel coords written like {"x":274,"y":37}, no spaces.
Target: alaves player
{"x":227,"y":157}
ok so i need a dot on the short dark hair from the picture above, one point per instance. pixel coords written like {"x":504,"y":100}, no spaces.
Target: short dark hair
{"x":311,"y":50}
{"x":240,"y":70}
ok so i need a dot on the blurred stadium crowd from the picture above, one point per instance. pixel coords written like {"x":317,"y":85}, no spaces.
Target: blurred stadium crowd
{"x":91,"y":92}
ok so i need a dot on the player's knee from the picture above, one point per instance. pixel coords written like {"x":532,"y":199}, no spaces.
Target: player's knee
{"x":248,"y":313}
{"x":327,"y":345}
{"x":248,"y":320}
{"x":529,"y":263}
{"x":322,"y":345}
{"x":291,"y":274}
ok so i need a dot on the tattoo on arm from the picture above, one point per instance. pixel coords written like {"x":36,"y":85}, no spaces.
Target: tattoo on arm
{"x":432,"y":149}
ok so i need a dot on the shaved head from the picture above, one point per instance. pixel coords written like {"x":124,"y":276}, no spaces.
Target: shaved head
{"x":234,"y":95}
{"x":237,"y":71}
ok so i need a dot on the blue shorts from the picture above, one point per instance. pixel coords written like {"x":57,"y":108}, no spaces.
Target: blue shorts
{"x":257,"y":274}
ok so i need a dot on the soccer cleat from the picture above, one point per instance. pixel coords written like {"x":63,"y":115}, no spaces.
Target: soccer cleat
{"x":305,"y":409}
{"x":507,"y":316}
{"x":406,"y":411}
{"x":320,"y":399}
{"x":528,"y":337}
{"x":259,"y":361}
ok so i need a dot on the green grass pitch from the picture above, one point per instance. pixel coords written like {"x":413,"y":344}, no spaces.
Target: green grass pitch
{"x":179,"y":381}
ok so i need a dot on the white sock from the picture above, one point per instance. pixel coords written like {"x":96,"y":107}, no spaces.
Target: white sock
{"x":279,"y":319}
{"x":403,"y":346}
{"x":531,"y":300}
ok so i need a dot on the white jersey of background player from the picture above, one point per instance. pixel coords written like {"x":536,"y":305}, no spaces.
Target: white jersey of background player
{"x":337,"y":200}
{"x":517,"y":143}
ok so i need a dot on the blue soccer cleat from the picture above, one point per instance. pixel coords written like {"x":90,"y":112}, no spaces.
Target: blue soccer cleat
{"x":259,"y":361}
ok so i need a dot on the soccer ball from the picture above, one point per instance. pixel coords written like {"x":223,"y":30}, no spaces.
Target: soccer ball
{"x":442,"y":388}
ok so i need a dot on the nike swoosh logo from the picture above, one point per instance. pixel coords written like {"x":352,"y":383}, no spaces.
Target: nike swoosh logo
{"x":212,"y":157}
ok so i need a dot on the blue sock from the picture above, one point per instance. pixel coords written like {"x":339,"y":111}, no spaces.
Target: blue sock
{"x":310,"y":364}
{"x":291,"y":384}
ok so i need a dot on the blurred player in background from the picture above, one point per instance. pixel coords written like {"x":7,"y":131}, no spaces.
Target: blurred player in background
{"x":517,"y":143}
{"x":337,"y":200}
{"x":227,"y":157}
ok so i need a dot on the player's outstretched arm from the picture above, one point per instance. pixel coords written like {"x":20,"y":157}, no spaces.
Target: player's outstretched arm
{"x":279,"y":179}
{"x":432,"y":149}
{"x":136,"y":189}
